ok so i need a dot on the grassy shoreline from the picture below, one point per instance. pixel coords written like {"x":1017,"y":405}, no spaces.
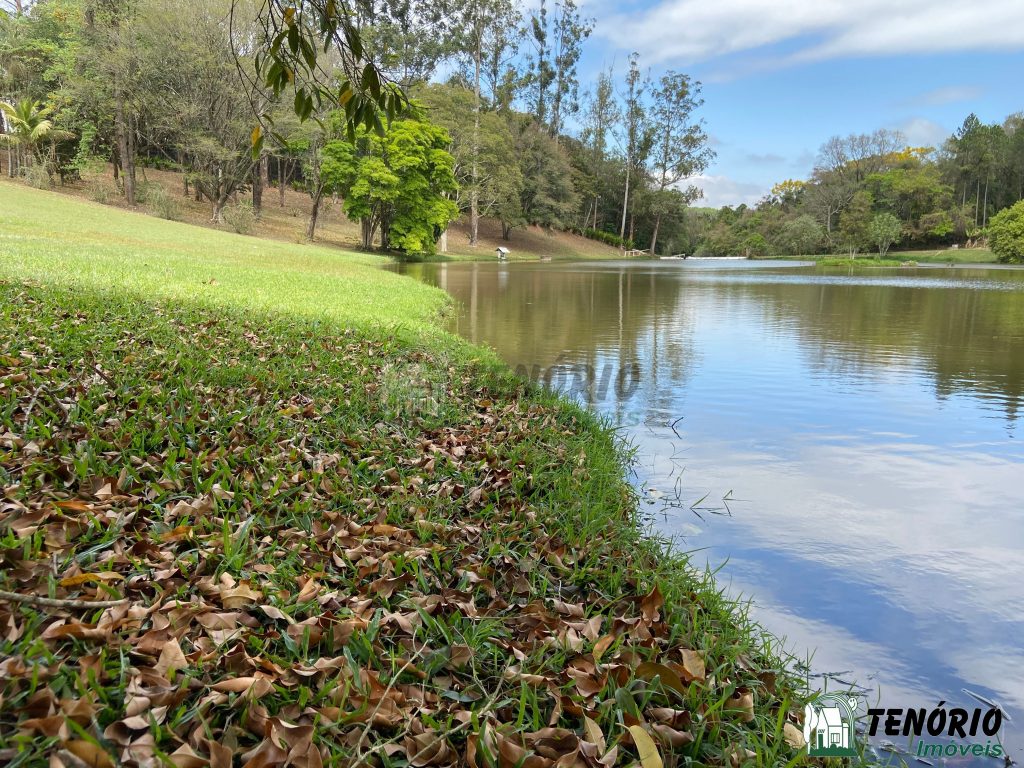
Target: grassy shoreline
{"x":332,"y":531}
{"x":942,"y":256}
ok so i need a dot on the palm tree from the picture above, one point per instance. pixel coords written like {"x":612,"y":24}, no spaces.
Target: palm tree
{"x":28,"y":125}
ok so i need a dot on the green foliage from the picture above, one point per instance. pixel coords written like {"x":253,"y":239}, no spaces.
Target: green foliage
{"x":298,"y":37}
{"x":548,"y":198}
{"x":28,"y":124}
{"x":884,"y":230}
{"x":607,"y":237}
{"x":801,"y":236}
{"x":1006,"y":234}
{"x":490,"y":147}
{"x":755,"y":245}
{"x":854,"y":223}
{"x":397,"y":184}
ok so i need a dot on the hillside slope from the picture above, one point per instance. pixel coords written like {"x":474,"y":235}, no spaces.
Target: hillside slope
{"x":285,"y":218}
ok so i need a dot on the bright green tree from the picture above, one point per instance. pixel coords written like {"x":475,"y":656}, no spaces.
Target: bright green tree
{"x":396,"y":185}
{"x":884,"y":230}
{"x":1006,"y":234}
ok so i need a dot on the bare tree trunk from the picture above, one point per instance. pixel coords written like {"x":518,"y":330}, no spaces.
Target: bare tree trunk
{"x":264,"y":169}
{"x":125,"y":150}
{"x":218,"y":208}
{"x":281,"y":179}
{"x":314,"y":214}
{"x":984,"y":207}
{"x":506,"y":231}
{"x":184,"y":173}
{"x":442,"y":242}
{"x":654,"y":235}
{"x":385,"y":233}
{"x":366,"y":232}
{"x":257,"y":189}
{"x":474,"y":192}
{"x":625,"y":205}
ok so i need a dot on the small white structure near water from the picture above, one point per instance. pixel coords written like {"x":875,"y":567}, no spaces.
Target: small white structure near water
{"x":502,"y":252}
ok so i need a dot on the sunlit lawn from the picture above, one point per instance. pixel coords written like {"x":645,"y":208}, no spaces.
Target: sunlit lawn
{"x":60,"y":240}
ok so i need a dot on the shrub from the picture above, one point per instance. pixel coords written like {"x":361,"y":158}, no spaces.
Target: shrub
{"x":37,"y":176}
{"x":241,"y":218}
{"x":1006,"y":234}
{"x":163,"y":203}
{"x":607,"y":237}
{"x":102,"y":191}
{"x":144,"y":190}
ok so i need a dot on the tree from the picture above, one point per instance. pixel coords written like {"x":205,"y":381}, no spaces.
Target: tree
{"x":855,"y":222}
{"x":637,"y":132}
{"x":1006,"y":234}
{"x":499,"y":182}
{"x":681,"y":144}
{"x":400,"y":35}
{"x":601,"y":118}
{"x":570,"y":33}
{"x":884,"y":230}
{"x":28,"y":127}
{"x":396,"y":185}
{"x":110,"y":61}
{"x":549,"y":195}
{"x":475,"y":22}
{"x":194,"y":96}
{"x":801,"y":236}
{"x":542,"y":74}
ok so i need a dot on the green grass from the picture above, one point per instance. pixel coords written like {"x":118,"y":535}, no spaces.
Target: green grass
{"x":380,"y":540}
{"x":864,"y":261}
{"x":947,"y":256}
{"x":62,"y":240}
{"x":939,"y":256}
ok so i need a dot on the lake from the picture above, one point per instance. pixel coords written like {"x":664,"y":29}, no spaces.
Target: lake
{"x":845,"y":446}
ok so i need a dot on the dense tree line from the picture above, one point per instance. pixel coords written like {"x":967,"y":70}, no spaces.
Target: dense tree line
{"x":235,"y":95}
{"x":868,"y":192}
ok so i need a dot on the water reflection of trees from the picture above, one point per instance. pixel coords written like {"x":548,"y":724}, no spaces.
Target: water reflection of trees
{"x":968,"y":340}
{"x":602,"y":318}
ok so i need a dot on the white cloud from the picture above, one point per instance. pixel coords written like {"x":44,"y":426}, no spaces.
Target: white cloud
{"x":722,"y":190}
{"x":951,"y":94}
{"x":922,"y":132}
{"x":693,"y":30}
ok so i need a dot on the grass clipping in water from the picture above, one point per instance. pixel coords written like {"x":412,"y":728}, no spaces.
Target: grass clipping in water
{"x":258,"y":541}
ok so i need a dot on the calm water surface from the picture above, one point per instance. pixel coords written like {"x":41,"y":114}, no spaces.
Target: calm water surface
{"x":848,"y":445}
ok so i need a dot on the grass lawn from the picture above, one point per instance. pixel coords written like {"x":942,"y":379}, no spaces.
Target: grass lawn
{"x":259,"y":509}
{"x":61,"y":240}
{"x":940,"y":256}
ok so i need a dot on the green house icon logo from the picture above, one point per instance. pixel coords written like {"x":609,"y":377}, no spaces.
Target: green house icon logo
{"x":829,"y":725}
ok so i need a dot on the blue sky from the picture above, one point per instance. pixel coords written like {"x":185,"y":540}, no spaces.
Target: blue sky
{"x":782,"y":77}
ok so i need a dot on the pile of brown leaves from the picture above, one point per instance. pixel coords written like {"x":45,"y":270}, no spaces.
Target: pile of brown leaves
{"x":217,"y":550}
